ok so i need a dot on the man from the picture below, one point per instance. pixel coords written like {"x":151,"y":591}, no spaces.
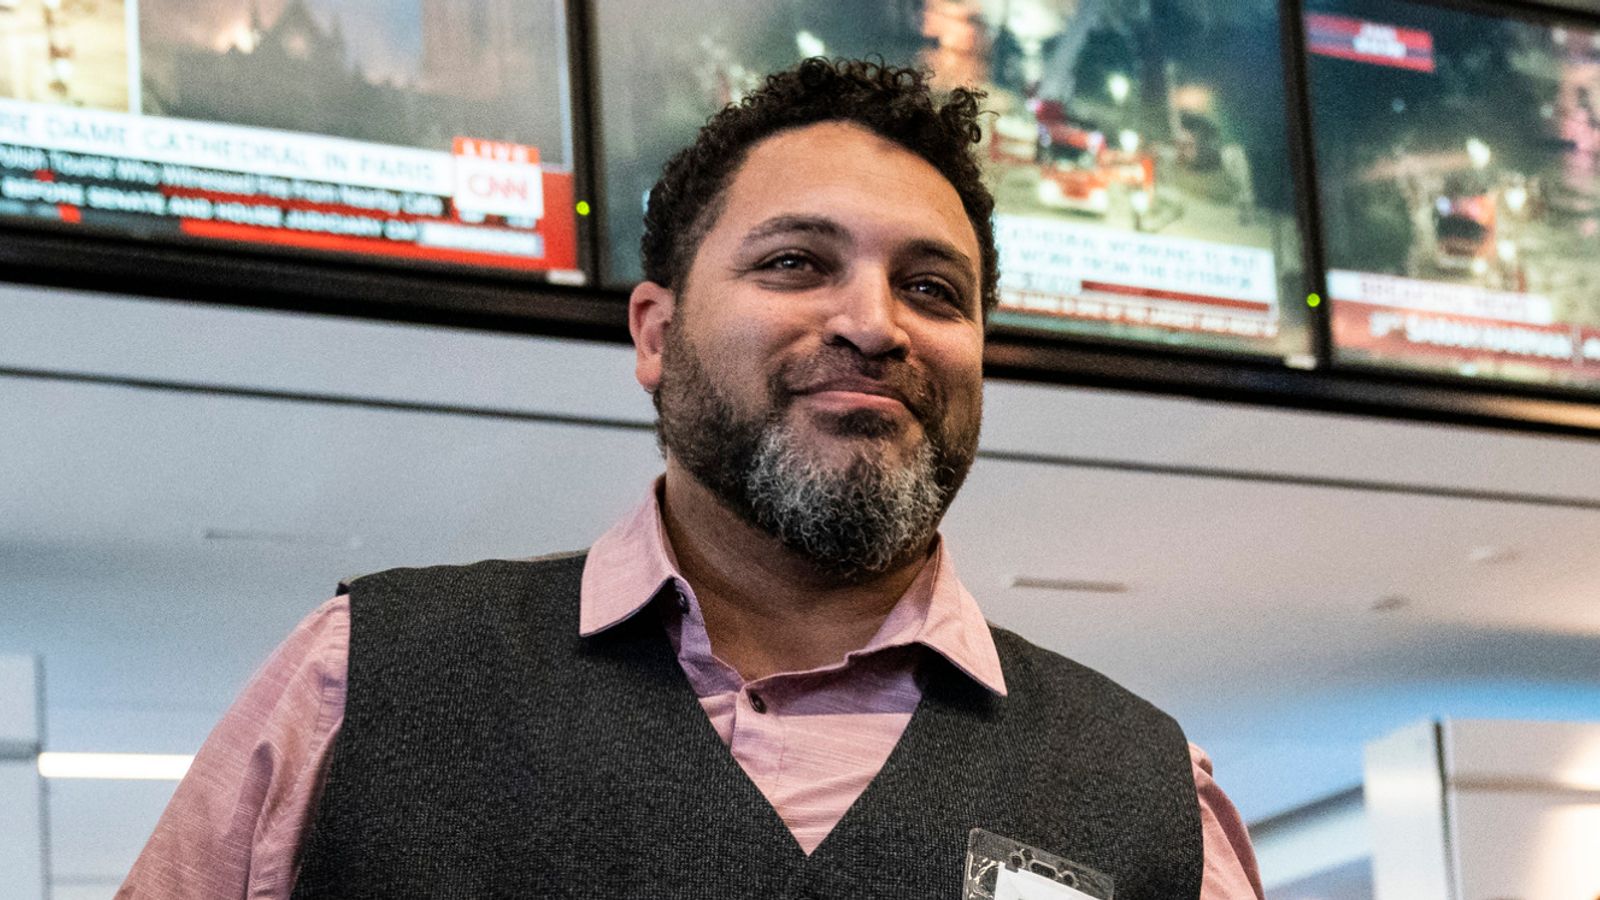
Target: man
{"x":765,"y":682}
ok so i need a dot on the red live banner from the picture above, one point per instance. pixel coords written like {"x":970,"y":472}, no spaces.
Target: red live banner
{"x":1385,"y":332}
{"x":1343,"y":37}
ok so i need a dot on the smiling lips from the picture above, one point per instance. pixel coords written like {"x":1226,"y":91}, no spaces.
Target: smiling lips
{"x":842,"y":380}
{"x":856,"y":393}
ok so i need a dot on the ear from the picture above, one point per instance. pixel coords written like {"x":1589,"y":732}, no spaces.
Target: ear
{"x":650,"y":310}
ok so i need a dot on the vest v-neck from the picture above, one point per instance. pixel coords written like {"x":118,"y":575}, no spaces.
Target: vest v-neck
{"x":949,"y":699}
{"x":655,"y":650}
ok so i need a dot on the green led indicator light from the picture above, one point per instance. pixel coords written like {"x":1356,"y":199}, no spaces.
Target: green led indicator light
{"x":583,"y":207}
{"x":1314,"y":300}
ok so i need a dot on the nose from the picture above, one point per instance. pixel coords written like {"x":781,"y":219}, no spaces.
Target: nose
{"x":866,"y":316}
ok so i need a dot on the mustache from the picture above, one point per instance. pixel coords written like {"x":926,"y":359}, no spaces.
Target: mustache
{"x":834,"y":364}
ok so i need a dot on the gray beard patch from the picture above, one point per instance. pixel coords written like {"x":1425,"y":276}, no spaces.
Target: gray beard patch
{"x":851,"y":521}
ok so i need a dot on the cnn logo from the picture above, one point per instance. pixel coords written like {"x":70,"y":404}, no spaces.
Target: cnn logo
{"x":494,"y":178}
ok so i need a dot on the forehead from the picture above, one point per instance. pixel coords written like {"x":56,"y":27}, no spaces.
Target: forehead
{"x":841,"y":171}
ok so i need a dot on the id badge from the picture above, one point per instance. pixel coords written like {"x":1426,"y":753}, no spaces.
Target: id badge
{"x":999,"y":868}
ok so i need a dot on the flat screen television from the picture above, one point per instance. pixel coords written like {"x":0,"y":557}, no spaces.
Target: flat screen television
{"x":1458,"y":157}
{"x":420,"y":133}
{"x":1139,"y":152}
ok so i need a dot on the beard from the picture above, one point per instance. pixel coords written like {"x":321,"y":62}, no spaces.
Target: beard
{"x":851,"y":519}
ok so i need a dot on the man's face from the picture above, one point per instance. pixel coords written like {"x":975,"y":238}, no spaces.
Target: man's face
{"x":821,"y":372}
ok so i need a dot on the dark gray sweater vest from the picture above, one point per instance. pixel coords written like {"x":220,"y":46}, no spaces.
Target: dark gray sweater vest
{"x":489,"y":751}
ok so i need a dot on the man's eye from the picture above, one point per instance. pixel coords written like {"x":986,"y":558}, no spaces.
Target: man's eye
{"x":790,"y":262}
{"x":936,"y":290}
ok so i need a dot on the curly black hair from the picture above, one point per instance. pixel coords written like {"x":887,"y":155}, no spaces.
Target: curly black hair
{"x":891,"y":101}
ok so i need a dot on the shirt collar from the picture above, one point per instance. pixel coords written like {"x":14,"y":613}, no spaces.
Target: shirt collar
{"x":630,"y":564}
{"x":626,"y":568}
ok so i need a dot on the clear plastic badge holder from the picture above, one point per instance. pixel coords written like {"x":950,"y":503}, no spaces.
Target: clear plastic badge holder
{"x":989,"y":854}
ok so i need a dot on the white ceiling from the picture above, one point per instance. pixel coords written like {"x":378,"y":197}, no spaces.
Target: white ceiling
{"x":1248,"y":615}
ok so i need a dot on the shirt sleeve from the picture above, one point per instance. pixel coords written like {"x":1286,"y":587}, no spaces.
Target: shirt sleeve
{"x":1230,"y":862}
{"x":234,"y":826}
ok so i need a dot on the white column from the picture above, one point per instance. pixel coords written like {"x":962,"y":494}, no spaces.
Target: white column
{"x":1405,"y":805}
{"x":22,"y":843}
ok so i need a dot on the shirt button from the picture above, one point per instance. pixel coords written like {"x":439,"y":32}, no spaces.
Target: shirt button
{"x":756,"y":703}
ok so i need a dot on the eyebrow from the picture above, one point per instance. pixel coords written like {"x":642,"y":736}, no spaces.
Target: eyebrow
{"x":781,"y":225}
{"x":943,"y":251}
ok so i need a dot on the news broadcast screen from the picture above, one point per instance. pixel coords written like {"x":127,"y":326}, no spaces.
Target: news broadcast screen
{"x":1138,"y":151}
{"x":434,"y":132}
{"x":1459,"y":162}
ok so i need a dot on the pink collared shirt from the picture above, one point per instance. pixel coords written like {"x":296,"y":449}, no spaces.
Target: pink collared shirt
{"x":811,"y":741}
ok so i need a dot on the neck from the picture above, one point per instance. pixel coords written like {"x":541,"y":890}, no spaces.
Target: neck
{"x":766,"y":609}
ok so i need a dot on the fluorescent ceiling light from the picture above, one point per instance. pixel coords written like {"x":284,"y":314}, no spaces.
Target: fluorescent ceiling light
{"x":143,"y":766}
{"x":1078,"y":585}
